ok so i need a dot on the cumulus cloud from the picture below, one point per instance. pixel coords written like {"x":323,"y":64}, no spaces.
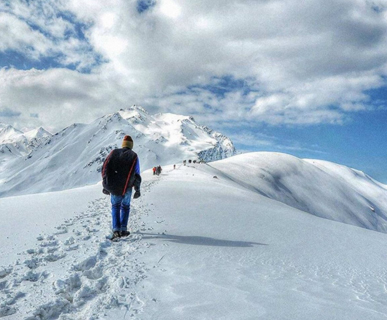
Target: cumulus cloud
{"x":16,"y":34}
{"x":44,"y":29}
{"x":59,"y":96}
{"x":300,"y":62}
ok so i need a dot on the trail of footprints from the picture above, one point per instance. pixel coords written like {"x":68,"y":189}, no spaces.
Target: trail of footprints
{"x":76,"y":273}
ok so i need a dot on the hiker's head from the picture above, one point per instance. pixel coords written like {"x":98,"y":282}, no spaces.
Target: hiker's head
{"x":127,"y":142}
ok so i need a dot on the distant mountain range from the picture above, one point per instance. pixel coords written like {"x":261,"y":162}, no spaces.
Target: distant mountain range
{"x":37,"y":161}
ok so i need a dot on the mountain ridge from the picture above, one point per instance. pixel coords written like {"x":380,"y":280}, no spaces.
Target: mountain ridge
{"x":38,"y":161}
{"x":324,"y":189}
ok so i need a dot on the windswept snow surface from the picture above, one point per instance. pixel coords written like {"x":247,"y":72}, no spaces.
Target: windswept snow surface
{"x":204,"y":246}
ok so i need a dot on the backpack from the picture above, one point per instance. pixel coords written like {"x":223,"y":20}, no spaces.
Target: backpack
{"x":118,"y":171}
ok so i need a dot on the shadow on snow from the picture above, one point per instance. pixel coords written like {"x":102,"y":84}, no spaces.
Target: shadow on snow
{"x":201,"y":241}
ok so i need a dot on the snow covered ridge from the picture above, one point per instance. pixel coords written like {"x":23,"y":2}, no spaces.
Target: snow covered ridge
{"x":38,"y":161}
{"x":14,"y":142}
{"x":322,"y":188}
{"x":9,"y":134}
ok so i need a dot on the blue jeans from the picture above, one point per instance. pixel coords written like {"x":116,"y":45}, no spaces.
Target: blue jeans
{"x":120,"y":210}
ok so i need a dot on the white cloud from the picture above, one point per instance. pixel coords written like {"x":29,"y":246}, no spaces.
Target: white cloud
{"x":252,"y":139}
{"x":304,"y":62}
{"x":170,"y":8}
{"x":55,"y":96}
{"x":16,"y":34}
{"x":38,"y":29}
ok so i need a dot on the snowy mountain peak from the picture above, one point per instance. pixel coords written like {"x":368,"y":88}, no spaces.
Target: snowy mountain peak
{"x":134,"y":112}
{"x":37,"y":133}
{"x":74,"y":156}
{"x":8,"y":133}
{"x":138,"y":109}
{"x":113,"y":117}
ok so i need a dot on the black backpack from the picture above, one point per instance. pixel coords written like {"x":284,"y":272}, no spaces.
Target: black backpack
{"x":118,"y":171}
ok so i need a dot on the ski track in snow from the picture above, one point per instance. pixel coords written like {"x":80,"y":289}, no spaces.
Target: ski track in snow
{"x":87,"y":273}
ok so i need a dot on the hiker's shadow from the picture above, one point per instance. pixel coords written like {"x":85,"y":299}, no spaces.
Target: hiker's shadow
{"x":201,"y":241}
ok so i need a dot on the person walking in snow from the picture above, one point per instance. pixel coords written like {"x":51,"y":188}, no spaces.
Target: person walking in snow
{"x":120,"y":173}
{"x":154,"y":170}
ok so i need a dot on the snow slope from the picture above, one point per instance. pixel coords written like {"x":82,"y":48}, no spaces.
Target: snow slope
{"x":204,"y":246}
{"x":322,"y":188}
{"x":37,"y":162}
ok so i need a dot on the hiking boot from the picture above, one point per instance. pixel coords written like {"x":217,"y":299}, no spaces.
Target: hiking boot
{"x":124,"y":233}
{"x":116,"y":234}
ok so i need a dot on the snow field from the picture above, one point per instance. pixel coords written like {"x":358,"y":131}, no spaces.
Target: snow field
{"x":203,"y":247}
{"x":75,"y":272}
{"x":233,"y":254}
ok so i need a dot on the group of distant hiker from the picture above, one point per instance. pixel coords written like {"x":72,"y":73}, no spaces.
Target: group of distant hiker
{"x":157,"y":170}
{"x":193,"y":161}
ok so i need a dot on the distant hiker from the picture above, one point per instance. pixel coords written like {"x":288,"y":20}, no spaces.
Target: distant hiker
{"x":158,"y":170}
{"x":120,"y":173}
{"x":185,"y":162}
{"x":154,"y":170}
{"x":174,"y":166}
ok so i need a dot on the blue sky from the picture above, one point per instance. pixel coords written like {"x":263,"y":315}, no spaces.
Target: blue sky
{"x":359,"y":144}
{"x":305,"y":78}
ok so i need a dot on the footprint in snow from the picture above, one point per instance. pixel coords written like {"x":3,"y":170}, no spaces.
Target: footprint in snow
{"x":35,"y":276}
{"x":86,"y":264}
{"x":5,"y":271}
{"x":32,"y":263}
{"x":55,"y":256}
{"x":90,"y":281}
